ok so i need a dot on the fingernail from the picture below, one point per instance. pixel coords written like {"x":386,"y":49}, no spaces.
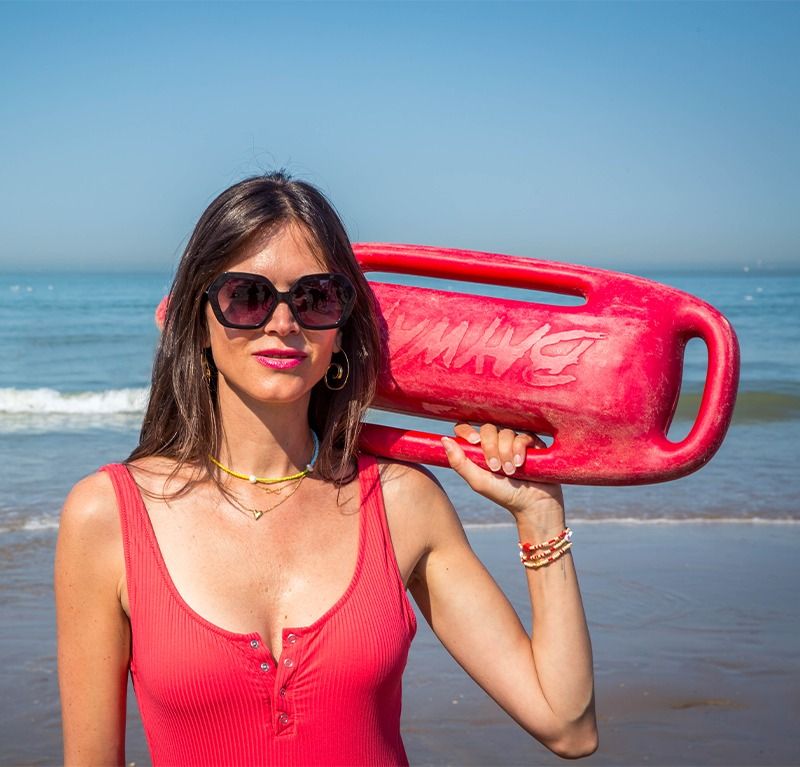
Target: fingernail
{"x":509,"y":467}
{"x":473,"y":438}
{"x":518,"y":460}
{"x":447,"y":444}
{"x":494,"y":464}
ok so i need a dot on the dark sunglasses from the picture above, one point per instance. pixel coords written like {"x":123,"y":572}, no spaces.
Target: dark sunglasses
{"x":247,"y":301}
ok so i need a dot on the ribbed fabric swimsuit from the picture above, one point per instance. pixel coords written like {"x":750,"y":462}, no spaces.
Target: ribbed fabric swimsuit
{"x":208,"y":696}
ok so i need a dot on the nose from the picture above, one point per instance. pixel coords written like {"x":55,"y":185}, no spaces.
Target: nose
{"x":282,"y":321}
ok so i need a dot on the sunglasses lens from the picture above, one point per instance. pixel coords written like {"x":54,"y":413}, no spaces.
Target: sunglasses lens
{"x":322,"y":300}
{"x":244,"y":301}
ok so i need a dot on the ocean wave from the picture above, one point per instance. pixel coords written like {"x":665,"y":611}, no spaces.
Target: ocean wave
{"x":49,"y":401}
{"x":577,"y":521}
{"x":32,"y":524}
{"x":46,"y":410}
{"x":40,"y":523}
{"x":50,"y":522}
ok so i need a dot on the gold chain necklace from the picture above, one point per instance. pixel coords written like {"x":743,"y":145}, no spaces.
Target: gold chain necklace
{"x":258,"y":513}
{"x":277,"y":490}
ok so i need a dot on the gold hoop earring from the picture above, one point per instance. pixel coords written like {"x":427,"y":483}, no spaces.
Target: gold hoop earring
{"x":205,"y":366}
{"x":336,"y":376}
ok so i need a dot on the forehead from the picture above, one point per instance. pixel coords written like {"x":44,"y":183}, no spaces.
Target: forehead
{"x":282,"y":257}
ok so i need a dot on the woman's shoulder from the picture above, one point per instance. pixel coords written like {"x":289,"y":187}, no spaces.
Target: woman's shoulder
{"x":413,"y":489}
{"x":417,"y":507}
{"x":92,"y":500}
{"x":406,"y":477}
{"x":92,"y":492}
{"x":89,"y":563}
{"x":90,"y":511}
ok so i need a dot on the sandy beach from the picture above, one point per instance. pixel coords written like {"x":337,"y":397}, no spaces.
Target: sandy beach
{"x":694,"y":627}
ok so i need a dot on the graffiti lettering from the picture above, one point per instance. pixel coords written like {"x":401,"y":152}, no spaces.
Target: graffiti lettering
{"x":554,"y":364}
{"x":437,"y":341}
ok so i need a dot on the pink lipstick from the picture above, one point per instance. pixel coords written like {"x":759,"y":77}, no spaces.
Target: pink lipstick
{"x":279,"y":359}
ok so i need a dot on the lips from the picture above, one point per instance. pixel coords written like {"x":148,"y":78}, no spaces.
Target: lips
{"x":279,"y":359}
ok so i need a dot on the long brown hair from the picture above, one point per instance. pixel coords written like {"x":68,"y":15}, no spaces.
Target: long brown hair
{"x":181,"y":421}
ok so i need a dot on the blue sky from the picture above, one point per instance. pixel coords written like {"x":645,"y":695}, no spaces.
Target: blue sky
{"x":631,"y":136}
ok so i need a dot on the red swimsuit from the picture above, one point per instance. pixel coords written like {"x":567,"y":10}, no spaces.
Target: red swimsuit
{"x":208,"y":696}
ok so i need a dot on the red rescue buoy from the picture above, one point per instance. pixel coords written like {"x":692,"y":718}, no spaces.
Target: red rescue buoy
{"x":602,"y":378}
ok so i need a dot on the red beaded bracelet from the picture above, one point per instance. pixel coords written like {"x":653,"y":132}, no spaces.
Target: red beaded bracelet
{"x":542,"y":561}
{"x":541,"y":554}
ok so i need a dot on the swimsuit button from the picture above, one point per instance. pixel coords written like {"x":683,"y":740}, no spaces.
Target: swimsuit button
{"x":291,"y":638}
{"x":265,"y":666}
{"x":288,"y":662}
{"x":284,"y":719}
{"x":254,"y":643}
{"x":282,"y":692}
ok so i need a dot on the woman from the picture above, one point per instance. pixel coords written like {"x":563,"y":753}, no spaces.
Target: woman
{"x":251,"y":569}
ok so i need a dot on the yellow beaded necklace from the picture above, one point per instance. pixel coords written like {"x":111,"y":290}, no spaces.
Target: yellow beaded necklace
{"x":254,"y":480}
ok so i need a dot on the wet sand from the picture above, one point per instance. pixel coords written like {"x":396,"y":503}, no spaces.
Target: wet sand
{"x":695,"y":630}
{"x":695,"y":636}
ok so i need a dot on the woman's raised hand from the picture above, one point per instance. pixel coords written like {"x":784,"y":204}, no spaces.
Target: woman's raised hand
{"x":504,"y":451}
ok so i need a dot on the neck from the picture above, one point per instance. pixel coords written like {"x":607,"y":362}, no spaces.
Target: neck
{"x":267,"y":440}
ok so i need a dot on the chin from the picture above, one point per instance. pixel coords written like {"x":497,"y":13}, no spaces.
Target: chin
{"x":276,"y":392}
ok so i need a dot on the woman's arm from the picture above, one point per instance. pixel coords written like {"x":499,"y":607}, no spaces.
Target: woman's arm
{"x":93,"y":630}
{"x":545,"y":682}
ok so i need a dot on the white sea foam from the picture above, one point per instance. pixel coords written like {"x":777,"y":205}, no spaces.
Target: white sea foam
{"x":41,"y":523}
{"x":44,"y":410}
{"x":32,"y":524}
{"x":690,"y":521}
{"x":577,"y":521}
{"x":49,"y":401}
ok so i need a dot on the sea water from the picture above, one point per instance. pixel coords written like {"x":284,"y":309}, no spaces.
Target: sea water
{"x":76,"y":352}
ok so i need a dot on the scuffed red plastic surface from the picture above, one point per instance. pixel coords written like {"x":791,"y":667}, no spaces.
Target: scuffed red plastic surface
{"x":602,"y":378}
